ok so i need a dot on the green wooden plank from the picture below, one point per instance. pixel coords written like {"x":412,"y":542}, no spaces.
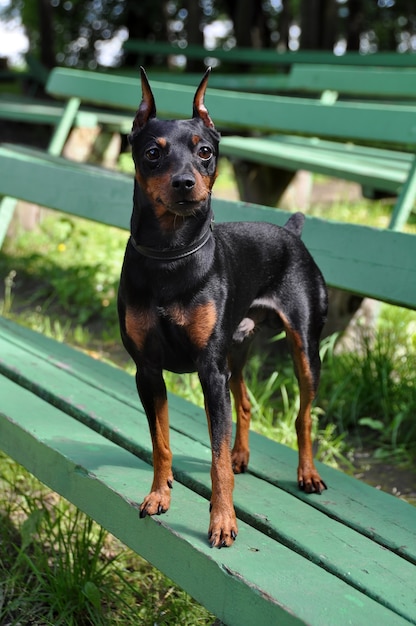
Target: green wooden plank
{"x":381,"y":155}
{"x":341,"y":164}
{"x":33,"y":111}
{"x":406,"y":201}
{"x":106,"y":195}
{"x":63,"y":129}
{"x":348,"y":120}
{"x":96,"y":398}
{"x":348,"y":254}
{"x":363,"y":81}
{"x":270,"y":56}
{"x":7,"y":207}
{"x":119,"y":385}
{"x":96,"y":460}
{"x":381,"y":82}
{"x":240,"y":82}
{"x":102,"y":479}
{"x":41,"y":113}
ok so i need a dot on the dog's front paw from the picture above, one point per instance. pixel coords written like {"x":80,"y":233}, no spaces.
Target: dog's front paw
{"x":310,"y":481}
{"x":156,"y":503}
{"x":222,"y":528}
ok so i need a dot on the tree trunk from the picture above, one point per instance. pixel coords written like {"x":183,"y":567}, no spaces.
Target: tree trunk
{"x":194,"y":33}
{"x":46,"y":31}
{"x":318,"y":24}
{"x":355,"y":24}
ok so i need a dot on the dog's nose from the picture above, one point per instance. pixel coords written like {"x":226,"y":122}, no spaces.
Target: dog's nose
{"x":183,"y":182}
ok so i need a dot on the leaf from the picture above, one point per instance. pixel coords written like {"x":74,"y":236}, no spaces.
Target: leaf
{"x":92,"y":593}
{"x":371,"y":423}
{"x":30,"y":527}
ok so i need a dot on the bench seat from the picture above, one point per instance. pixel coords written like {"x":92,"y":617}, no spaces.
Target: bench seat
{"x":90,"y":443}
{"x":368,"y":166}
{"x":35,"y":111}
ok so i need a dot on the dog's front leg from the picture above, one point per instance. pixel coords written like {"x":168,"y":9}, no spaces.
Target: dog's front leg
{"x":152,"y":392}
{"x":223,"y":524}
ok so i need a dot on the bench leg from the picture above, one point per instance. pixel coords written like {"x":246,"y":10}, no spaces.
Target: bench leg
{"x":7,"y":207}
{"x":405,"y":201}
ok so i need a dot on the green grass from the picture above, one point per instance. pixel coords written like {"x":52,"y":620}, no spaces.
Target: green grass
{"x":58,"y":567}
{"x":371,"y":389}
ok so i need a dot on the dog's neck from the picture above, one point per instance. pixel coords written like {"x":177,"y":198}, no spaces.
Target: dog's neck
{"x":191,"y":235}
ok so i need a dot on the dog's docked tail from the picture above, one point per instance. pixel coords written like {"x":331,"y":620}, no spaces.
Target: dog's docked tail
{"x":295,"y":224}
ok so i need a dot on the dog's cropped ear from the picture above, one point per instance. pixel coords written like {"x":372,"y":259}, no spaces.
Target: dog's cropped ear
{"x":147,"y":108}
{"x":199,"y":109}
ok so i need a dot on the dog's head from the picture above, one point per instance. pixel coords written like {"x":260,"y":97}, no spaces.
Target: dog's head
{"x":175,"y":160}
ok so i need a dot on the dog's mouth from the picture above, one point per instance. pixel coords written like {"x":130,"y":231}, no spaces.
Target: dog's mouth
{"x":185,"y":207}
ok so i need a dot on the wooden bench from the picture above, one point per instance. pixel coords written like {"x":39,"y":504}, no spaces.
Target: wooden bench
{"x":265,"y":82}
{"x":336,"y":139}
{"x":267,"y":57}
{"x":329,"y":82}
{"x":37,"y":111}
{"x":378,"y":83}
{"x":348,"y":556}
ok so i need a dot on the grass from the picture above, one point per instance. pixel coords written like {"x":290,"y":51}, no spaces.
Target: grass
{"x":59,"y":567}
{"x":372,"y":388}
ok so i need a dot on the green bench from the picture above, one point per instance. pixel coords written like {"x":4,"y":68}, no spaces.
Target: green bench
{"x":330,"y":82}
{"x":348,"y":556}
{"x":378,"y":83}
{"x":336,"y":139}
{"x":271,"y":82}
{"x":267,"y":57}
{"x":35,"y":111}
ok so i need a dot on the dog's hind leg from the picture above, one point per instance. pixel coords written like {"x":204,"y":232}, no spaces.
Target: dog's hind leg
{"x":241,"y":452}
{"x":305,"y":352}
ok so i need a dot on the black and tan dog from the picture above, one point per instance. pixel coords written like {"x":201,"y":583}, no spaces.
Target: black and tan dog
{"x":191,"y":296}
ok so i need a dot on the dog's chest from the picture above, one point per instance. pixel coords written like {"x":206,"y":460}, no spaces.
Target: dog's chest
{"x":198,"y":321}
{"x":171,"y":325}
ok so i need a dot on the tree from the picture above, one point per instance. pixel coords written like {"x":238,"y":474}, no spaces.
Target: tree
{"x":318,"y":24}
{"x":71,"y":32}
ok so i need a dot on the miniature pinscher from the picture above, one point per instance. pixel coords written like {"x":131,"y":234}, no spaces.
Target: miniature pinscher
{"x":192,"y":294}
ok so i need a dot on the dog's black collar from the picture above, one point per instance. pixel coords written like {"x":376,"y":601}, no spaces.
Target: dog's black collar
{"x":173,"y":254}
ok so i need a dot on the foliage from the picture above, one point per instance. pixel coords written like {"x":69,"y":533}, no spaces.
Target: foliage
{"x":73,"y":32}
{"x":371,"y":388}
{"x":78,"y":27}
{"x":72,"y":275}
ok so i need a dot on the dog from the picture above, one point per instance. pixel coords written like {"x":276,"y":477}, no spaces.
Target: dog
{"x":192,"y":294}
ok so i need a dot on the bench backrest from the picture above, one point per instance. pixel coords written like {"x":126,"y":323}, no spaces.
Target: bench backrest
{"x":269,"y":56}
{"x":397,"y":83}
{"x":368,"y":261}
{"x":387,"y":123}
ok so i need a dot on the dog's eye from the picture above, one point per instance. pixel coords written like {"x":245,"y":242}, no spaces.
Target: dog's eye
{"x":205,"y":153}
{"x":152,"y":154}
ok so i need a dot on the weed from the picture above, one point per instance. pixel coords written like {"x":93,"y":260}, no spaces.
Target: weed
{"x":58,"y":567}
{"x":8,"y":297}
{"x":374,"y":385}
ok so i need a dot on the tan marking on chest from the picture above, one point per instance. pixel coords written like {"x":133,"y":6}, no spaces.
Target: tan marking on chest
{"x":198,"y":321}
{"x":138,"y":324}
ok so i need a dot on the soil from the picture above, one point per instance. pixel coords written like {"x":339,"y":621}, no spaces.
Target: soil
{"x":391,"y":477}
